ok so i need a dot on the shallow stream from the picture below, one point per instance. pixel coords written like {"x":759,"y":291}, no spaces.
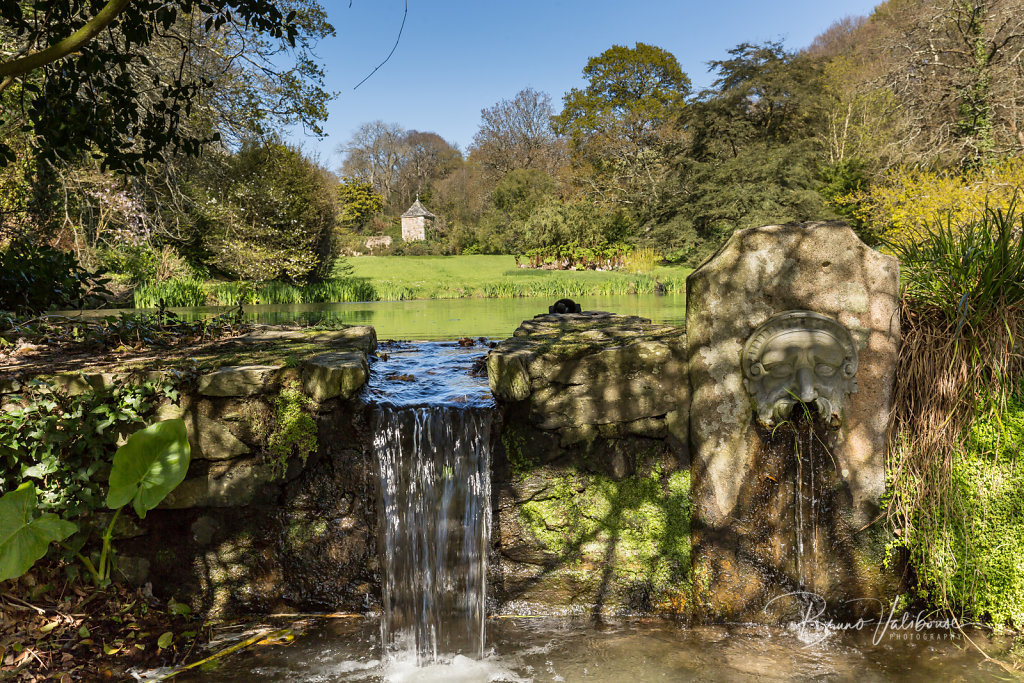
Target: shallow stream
{"x":543,"y":649}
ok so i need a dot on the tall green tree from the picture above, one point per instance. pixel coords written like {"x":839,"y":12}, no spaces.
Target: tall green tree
{"x":749,"y":150}
{"x":616,"y":124}
{"x":118,"y":96}
{"x":267,"y":213}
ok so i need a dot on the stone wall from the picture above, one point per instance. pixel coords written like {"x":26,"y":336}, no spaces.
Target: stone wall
{"x":590,"y":475}
{"x":414,"y":228}
{"x":278,"y":508}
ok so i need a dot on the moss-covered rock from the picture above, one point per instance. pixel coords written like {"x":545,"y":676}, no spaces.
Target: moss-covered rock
{"x":577,"y":540}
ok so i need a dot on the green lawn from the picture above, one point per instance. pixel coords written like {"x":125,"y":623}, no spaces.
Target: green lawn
{"x":448,"y":277}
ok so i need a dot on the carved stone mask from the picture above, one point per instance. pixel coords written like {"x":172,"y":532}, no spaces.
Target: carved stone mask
{"x":800,"y":357}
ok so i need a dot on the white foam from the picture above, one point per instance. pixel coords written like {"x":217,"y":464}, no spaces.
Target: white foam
{"x":459,"y":669}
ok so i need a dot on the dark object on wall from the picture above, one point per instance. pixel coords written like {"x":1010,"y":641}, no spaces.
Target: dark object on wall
{"x":565,"y":306}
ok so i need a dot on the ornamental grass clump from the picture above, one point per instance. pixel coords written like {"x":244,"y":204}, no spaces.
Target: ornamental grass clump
{"x":960,"y":367}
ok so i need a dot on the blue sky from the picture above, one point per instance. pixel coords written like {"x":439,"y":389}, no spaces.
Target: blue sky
{"x":459,"y":56}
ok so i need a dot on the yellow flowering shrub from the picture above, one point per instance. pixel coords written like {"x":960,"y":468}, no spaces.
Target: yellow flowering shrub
{"x":906,"y":199}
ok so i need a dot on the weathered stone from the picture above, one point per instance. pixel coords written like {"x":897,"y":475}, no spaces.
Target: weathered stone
{"x":759,"y":273}
{"x":134,"y":570}
{"x":100,"y":380}
{"x":9,"y":385}
{"x":227,"y":484}
{"x":359,"y":337}
{"x":335,"y":375}
{"x":592,"y":369}
{"x":208,"y":438}
{"x":240,"y":380}
{"x":508,"y":373}
{"x":73,"y":384}
{"x":203,"y":530}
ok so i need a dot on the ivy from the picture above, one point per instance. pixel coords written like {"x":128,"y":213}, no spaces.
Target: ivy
{"x":65,"y":444}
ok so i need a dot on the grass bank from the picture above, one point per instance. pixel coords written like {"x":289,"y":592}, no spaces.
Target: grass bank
{"x":401,"y":278}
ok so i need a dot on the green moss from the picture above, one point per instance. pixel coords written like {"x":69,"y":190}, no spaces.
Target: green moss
{"x":295,"y":433}
{"x":301,"y":533}
{"x":969,"y":550}
{"x":638,"y":527}
{"x":519,"y":458}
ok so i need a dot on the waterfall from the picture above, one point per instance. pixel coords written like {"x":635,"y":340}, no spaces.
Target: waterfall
{"x":433,"y":465}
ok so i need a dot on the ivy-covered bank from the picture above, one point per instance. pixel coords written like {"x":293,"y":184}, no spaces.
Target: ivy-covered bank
{"x":968,"y":546}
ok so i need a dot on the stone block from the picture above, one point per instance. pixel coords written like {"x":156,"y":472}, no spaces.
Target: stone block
{"x":208,"y":439}
{"x":227,"y":484}
{"x":239,"y":380}
{"x":742,"y":475}
{"x":335,"y":375}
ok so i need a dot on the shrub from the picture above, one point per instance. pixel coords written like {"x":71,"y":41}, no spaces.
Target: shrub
{"x":268,"y":214}
{"x":954,"y":472}
{"x":903,"y":205}
{"x":138,"y":262}
{"x":65,"y":444}
{"x":36,"y":278}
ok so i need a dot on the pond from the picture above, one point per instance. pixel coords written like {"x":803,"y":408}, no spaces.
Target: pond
{"x":440,"y":319}
{"x":547,"y":649}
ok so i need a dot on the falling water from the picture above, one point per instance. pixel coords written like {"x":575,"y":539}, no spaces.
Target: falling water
{"x":432,"y":442}
{"x":434,"y":465}
{"x":811,"y":502}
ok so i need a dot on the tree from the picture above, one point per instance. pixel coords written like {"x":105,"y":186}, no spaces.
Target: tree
{"x":517,"y":134}
{"x":359,"y":203}
{"x":119,"y":96}
{"x":617,"y":122}
{"x":749,"y":152}
{"x":375,"y":154}
{"x":428,"y":158}
{"x":957,"y":72}
{"x":268,"y":214}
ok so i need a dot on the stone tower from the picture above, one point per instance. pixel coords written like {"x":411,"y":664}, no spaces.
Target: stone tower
{"x":415,"y":221}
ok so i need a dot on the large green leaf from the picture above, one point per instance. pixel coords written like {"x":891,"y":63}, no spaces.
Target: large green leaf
{"x":23,"y":537}
{"x":148,"y":467}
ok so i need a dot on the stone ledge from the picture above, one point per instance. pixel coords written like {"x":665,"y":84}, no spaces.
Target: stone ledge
{"x":360,"y":337}
{"x":240,"y":380}
{"x":334,"y":375}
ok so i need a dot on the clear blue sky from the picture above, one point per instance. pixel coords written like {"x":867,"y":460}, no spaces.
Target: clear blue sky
{"x":459,"y":56}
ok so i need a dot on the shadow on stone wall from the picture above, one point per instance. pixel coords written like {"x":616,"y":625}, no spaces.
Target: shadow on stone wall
{"x":598,"y":528}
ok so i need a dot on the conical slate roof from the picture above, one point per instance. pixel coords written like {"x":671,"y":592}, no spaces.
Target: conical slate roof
{"x":417,"y":210}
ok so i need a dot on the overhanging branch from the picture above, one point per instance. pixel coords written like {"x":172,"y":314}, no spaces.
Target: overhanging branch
{"x":69,"y":45}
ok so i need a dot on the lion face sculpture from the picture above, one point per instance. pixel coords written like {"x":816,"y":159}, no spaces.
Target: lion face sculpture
{"x":800,"y":357}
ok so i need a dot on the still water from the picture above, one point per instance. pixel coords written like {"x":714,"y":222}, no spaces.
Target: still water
{"x":631,"y":652}
{"x":436,"y":319}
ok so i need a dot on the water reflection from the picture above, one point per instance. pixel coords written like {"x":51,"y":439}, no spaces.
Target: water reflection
{"x":445,"y":318}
